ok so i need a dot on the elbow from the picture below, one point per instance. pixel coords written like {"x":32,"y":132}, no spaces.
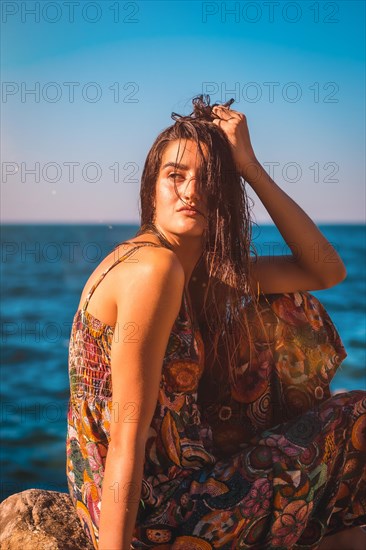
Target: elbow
{"x":335,"y":277}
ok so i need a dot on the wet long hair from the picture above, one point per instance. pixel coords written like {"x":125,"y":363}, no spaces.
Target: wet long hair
{"x":227,"y":239}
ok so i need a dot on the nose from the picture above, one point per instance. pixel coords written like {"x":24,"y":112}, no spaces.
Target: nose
{"x":191,"y":191}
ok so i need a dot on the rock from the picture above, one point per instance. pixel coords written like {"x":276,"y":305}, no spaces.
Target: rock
{"x":42,"y":520}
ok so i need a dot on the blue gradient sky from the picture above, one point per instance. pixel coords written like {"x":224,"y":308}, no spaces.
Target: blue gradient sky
{"x":159,"y":55}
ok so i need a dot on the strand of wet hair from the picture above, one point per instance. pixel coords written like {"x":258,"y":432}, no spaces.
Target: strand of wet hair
{"x":202,"y":109}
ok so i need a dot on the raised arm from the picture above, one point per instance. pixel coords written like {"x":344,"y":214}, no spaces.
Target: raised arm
{"x":147,"y":307}
{"x":314,"y":263}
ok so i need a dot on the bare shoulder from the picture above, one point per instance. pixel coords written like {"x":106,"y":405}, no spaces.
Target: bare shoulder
{"x":154,"y":280}
{"x":148,"y":262}
{"x":146,"y":266}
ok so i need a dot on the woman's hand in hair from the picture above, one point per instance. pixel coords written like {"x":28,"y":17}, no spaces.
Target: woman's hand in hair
{"x":234,"y":124}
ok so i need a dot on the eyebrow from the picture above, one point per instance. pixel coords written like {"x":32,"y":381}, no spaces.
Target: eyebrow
{"x":176,"y":165}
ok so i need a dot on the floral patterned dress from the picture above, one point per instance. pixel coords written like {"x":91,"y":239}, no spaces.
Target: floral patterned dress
{"x":278,"y":463}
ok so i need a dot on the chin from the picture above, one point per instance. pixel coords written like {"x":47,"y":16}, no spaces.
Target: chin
{"x":190,"y":232}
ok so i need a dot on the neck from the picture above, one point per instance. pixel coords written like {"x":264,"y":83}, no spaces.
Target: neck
{"x":189,"y":254}
{"x":188,"y":249}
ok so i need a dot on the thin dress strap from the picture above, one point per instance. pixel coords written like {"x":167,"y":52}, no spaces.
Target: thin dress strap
{"x":123,"y":257}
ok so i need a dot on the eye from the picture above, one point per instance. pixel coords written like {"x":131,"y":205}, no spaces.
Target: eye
{"x":174,"y":175}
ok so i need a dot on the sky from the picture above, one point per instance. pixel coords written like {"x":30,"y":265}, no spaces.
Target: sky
{"x":88,"y":85}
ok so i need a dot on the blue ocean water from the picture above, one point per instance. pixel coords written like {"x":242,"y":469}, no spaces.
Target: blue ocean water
{"x":43,"y":270}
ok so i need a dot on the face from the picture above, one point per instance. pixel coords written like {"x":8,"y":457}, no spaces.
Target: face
{"x":180,"y":165}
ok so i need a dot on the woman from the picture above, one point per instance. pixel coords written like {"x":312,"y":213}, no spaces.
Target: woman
{"x":200,"y":414}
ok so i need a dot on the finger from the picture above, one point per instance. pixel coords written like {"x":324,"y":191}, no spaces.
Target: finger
{"x":219,"y":108}
{"x":224,"y":113}
{"x":221,"y":113}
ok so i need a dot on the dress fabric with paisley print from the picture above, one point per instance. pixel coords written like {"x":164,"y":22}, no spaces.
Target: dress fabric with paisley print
{"x":278,"y":463}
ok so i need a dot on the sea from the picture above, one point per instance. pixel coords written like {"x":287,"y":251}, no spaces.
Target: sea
{"x":43,"y":271}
